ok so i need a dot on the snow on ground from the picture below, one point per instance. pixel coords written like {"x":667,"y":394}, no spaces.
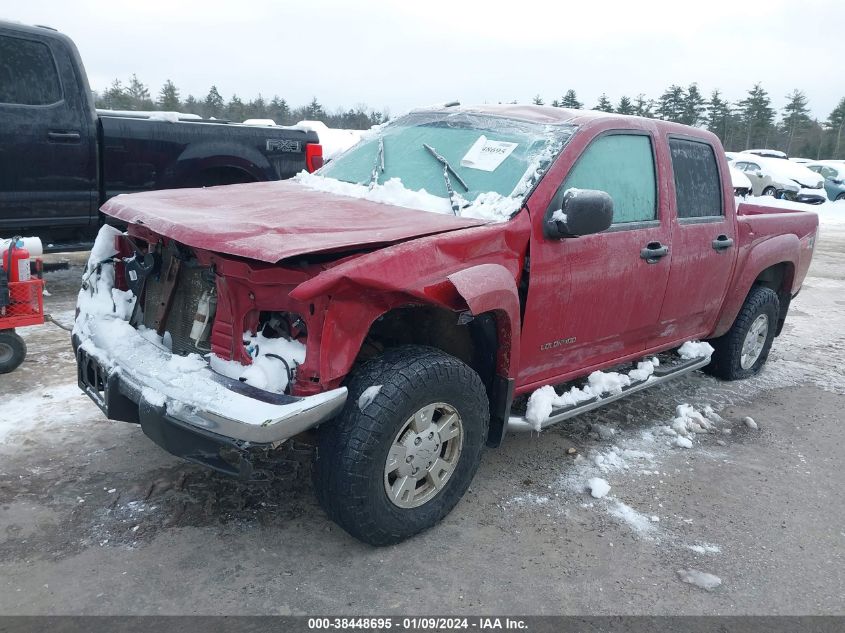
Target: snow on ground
{"x":700,"y":579}
{"x":38,"y":409}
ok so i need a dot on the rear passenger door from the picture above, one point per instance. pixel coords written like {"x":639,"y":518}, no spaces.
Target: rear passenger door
{"x":47,"y":146}
{"x":703,"y":241}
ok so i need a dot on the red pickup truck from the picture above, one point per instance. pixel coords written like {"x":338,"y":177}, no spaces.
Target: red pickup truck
{"x":400,"y":305}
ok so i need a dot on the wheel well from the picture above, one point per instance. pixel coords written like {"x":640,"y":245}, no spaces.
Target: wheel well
{"x":472,"y":339}
{"x":778,"y":278}
{"x":224,"y":175}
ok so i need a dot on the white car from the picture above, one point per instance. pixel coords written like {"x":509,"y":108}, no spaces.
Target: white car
{"x":741,"y":183}
{"x":790,"y":180}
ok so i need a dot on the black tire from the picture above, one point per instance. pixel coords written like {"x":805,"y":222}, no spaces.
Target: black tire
{"x":350,"y":477}
{"x":12,"y":351}
{"x":841,"y":196}
{"x":770,"y":191}
{"x":727,"y":360}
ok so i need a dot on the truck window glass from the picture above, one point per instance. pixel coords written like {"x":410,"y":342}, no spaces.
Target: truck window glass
{"x":28,"y":74}
{"x":698,"y":189}
{"x":623,"y":166}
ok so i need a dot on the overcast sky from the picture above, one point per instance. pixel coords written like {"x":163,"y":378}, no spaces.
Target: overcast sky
{"x":398,"y":55}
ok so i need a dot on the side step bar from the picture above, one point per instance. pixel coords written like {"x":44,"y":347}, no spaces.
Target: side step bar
{"x":519,"y":423}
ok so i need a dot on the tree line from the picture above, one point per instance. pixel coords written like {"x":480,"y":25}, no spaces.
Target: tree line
{"x":751,"y":122}
{"x":135,"y":95}
{"x":744,"y":124}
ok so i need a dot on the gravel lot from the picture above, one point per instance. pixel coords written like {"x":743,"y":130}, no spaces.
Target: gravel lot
{"x":96,"y":519}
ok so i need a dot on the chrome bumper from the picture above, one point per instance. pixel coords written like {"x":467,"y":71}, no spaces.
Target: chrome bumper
{"x":264,"y":418}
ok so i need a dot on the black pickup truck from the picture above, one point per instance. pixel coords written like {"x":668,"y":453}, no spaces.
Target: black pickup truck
{"x":60,"y":158}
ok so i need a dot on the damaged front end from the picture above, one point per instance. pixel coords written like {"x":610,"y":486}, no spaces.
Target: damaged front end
{"x":207,"y":353}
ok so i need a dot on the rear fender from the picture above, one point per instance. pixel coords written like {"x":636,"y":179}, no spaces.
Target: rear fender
{"x":199,"y":157}
{"x":781,"y":249}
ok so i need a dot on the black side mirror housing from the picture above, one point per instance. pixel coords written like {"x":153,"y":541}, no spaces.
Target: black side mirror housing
{"x":577,"y":212}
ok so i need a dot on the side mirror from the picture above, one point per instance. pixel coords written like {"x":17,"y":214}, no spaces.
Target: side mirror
{"x":578,"y":212}
{"x":758,"y":173}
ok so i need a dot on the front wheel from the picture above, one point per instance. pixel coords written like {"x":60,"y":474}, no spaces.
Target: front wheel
{"x":742,"y":351}
{"x":405,"y":447}
{"x":840,"y":197}
{"x":12,"y":351}
{"x":770,"y":192}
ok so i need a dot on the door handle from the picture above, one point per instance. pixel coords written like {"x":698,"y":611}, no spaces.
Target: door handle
{"x":722,"y":242}
{"x":653,"y":251}
{"x":64,"y":137}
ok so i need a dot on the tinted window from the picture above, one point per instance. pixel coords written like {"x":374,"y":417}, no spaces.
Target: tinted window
{"x":698,"y":188}
{"x":27,"y":73}
{"x":623,"y":166}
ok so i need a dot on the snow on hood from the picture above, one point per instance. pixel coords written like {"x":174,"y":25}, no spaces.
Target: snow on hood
{"x":271,"y":221}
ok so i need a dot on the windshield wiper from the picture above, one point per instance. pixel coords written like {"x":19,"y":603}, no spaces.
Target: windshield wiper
{"x":447,"y":169}
{"x":379,"y":166}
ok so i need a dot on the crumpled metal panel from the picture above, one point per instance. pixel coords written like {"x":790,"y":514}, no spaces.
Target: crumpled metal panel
{"x":271,"y":221}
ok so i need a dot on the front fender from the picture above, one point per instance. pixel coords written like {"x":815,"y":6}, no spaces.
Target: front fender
{"x":491,"y":288}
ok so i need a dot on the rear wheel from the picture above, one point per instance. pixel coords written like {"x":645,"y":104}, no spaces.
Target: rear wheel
{"x":841,"y":196}
{"x":742,"y":351}
{"x":405,"y":447}
{"x":12,"y":351}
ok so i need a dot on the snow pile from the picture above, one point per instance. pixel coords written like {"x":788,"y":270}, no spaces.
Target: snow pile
{"x":98,"y":298}
{"x":598,"y":487}
{"x":599,"y":383}
{"x":640,"y":523}
{"x":699,"y":579}
{"x":705,"y":548}
{"x":689,"y":422}
{"x":334,"y":141}
{"x":151,"y":115}
{"x":260,"y":122}
{"x":274,"y":362}
{"x":489,"y":206}
{"x":695,"y":349}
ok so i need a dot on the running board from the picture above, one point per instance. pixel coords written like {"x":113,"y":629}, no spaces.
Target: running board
{"x":660,"y":375}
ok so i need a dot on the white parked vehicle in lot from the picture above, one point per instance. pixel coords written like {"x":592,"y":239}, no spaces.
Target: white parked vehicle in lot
{"x":781,"y":178}
{"x":742,"y":185}
{"x":764,"y":181}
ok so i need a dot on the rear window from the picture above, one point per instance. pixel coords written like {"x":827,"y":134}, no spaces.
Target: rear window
{"x":27,"y":73}
{"x":698,"y":189}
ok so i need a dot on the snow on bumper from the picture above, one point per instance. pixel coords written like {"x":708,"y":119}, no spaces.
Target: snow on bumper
{"x":119,"y":362}
{"x":187,"y":390}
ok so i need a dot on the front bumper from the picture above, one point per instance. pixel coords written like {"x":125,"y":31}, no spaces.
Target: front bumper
{"x":179,"y":424}
{"x":807,"y":196}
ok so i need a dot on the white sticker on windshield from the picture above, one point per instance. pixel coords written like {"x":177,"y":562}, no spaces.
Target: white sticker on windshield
{"x":487,"y":155}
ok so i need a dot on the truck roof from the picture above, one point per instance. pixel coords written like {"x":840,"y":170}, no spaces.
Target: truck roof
{"x":550,"y":115}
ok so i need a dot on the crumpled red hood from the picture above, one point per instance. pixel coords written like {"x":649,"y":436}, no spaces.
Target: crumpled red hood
{"x":270,"y":221}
